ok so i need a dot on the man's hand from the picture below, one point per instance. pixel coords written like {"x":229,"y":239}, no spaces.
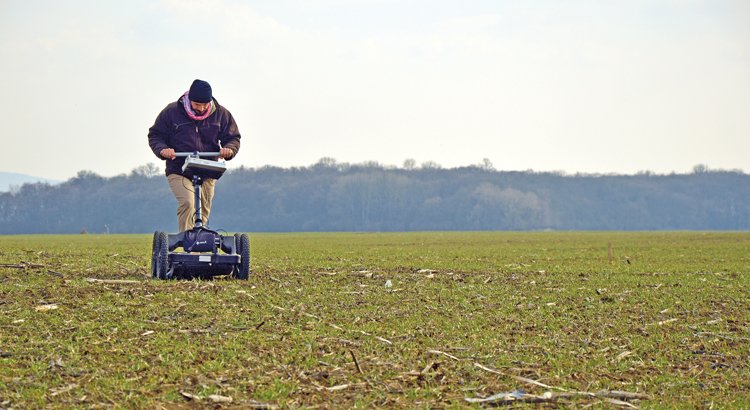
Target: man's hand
{"x":226,"y":153}
{"x":167,"y":153}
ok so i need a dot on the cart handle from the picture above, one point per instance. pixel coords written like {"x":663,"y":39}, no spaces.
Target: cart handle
{"x":198,"y":154}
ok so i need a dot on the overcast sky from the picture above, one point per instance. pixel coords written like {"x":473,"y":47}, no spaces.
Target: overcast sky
{"x":596,"y":86}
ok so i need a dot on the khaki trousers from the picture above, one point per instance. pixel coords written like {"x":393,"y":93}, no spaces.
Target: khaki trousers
{"x":182,"y":188}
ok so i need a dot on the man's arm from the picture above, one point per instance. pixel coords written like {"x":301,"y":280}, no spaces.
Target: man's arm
{"x":157,"y":137}
{"x":230,"y":138}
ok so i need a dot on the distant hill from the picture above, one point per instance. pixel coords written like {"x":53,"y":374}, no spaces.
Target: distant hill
{"x":12,"y":179}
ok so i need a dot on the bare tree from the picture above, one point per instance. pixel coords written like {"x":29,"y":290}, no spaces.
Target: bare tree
{"x":410,"y":164}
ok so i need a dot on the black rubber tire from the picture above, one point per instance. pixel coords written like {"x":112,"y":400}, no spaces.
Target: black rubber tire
{"x":162,"y":260}
{"x":237,"y":239}
{"x":243,"y":273}
{"x":154,"y":253}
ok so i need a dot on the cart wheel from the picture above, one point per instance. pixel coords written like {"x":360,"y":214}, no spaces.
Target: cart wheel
{"x":237,"y":239}
{"x":154,"y":253}
{"x":162,"y":256}
{"x":244,"y":269}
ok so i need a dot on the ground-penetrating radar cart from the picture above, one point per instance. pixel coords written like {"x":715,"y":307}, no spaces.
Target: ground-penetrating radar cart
{"x":206,"y":253}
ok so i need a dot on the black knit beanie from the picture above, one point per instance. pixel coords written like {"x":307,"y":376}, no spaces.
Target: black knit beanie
{"x":200,"y":92}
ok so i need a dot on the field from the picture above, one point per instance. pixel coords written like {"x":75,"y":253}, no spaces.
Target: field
{"x":382,"y":320}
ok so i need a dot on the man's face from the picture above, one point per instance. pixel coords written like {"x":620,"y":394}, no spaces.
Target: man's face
{"x":199,"y":108}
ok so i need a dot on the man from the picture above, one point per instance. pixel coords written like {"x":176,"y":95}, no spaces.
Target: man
{"x":195,"y":122}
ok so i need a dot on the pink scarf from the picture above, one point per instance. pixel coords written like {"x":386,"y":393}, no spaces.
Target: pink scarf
{"x":191,"y":113}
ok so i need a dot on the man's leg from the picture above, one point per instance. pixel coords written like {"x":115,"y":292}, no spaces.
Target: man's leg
{"x":182,"y":189}
{"x":207,"y":198}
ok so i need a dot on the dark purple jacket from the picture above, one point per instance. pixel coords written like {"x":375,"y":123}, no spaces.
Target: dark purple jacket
{"x":174,"y":129}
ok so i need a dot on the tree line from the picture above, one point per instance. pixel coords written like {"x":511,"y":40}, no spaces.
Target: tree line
{"x":332,"y":196}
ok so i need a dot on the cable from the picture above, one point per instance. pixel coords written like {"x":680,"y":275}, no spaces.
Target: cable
{"x":192,"y":191}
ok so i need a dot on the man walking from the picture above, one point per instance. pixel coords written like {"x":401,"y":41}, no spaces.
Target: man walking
{"x":195,"y":122}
